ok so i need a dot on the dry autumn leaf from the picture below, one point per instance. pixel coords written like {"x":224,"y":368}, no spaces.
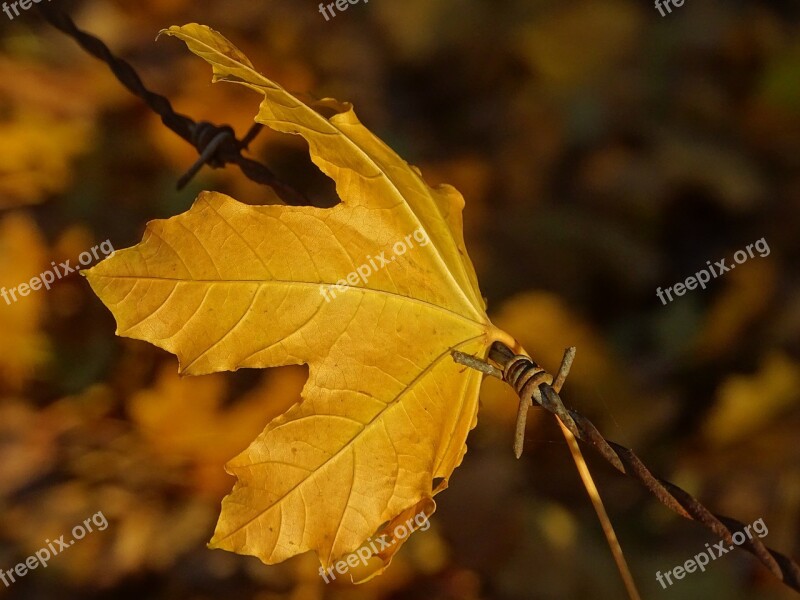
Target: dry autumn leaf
{"x":385,"y":412}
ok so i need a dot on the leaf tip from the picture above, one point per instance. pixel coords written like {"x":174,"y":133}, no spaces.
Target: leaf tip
{"x":171,"y":31}
{"x":179,"y":29}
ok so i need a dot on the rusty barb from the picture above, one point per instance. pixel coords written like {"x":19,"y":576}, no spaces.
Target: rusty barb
{"x":532,"y":383}
{"x":217,"y":145}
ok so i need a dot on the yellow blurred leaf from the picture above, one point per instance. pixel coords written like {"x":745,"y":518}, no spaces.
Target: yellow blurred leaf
{"x":543,"y":324}
{"x":747,"y":294}
{"x":385,"y":410}
{"x":209,"y":434}
{"x":22,"y":256}
{"x":36,"y":155}
{"x":580,"y":41}
{"x":26,"y":448}
{"x":79,"y":93}
{"x":48,"y":116}
{"x":746,"y":404}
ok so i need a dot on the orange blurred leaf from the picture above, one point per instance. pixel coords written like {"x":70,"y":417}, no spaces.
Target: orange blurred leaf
{"x":22,"y":256}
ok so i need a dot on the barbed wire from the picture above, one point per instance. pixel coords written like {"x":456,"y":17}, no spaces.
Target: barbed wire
{"x":525,"y":376}
{"x":217,"y":145}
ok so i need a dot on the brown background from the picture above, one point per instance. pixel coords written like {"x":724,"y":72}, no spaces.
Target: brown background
{"x":604,"y":151}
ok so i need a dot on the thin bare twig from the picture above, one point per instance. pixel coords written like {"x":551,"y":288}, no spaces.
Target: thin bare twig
{"x":591,"y":488}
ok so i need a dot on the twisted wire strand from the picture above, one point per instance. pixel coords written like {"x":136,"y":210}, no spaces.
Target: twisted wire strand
{"x":227,"y":148}
{"x":529,"y":380}
{"x":521,"y":371}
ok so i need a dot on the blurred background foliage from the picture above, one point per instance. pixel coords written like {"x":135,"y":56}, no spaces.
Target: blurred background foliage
{"x":603,"y":150}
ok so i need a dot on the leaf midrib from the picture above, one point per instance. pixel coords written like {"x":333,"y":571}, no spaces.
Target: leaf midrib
{"x":411,"y":299}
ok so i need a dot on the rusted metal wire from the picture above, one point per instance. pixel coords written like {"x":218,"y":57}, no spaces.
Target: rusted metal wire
{"x":217,"y":145}
{"x":520,"y":372}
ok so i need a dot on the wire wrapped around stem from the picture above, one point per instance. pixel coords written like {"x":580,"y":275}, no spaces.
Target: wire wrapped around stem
{"x":516,"y":371}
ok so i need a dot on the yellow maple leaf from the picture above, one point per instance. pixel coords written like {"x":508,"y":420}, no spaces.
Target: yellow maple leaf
{"x":372,"y":294}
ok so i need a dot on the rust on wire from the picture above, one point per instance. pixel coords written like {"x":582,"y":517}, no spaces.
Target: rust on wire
{"x":217,"y":145}
{"x":520,"y":372}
